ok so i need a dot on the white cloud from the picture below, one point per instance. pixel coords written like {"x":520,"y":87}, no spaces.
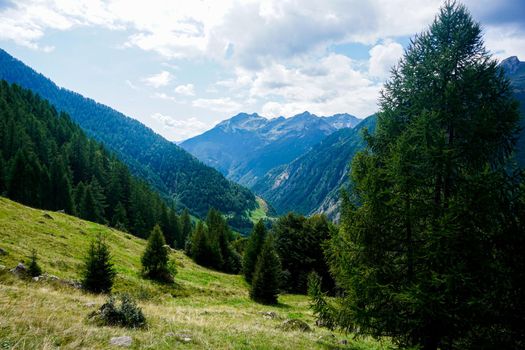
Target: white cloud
{"x":158,"y":80}
{"x":324,"y":86}
{"x":218,"y":104}
{"x":383,"y":57}
{"x":506,"y":41}
{"x":26,"y":22}
{"x":180,"y":129}
{"x":273,"y":55}
{"x":186,"y":90}
{"x":249,"y":31}
{"x":164,"y":96}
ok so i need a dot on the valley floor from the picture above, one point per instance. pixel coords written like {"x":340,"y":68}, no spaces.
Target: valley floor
{"x":204,"y":309}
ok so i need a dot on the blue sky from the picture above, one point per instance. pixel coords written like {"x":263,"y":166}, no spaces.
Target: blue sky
{"x":182,"y":66}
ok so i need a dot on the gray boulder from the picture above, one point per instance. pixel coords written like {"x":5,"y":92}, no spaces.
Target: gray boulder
{"x":19,"y":270}
{"x":124,"y":341}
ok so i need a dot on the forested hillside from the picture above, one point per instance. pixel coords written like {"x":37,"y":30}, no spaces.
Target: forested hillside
{"x":176,"y":174}
{"x":46,"y":161}
{"x":312,"y":182}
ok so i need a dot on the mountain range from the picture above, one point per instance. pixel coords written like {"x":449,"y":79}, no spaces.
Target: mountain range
{"x":311,"y":183}
{"x":174,"y":173}
{"x":296,"y":164}
{"x":247,"y":146}
{"x":301,"y":163}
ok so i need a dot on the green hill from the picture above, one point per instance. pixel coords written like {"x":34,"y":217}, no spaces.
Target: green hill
{"x":212,"y":308}
{"x":173,"y":172}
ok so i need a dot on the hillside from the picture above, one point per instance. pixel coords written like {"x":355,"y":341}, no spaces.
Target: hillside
{"x":311,"y":183}
{"x":47,"y":161}
{"x":211,"y":308}
{"x":176,"y":174}
{"x":246,"y":146}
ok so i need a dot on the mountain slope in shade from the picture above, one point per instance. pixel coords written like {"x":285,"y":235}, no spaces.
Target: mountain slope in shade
{"x":247,"y":146}
{"x":172,"y":171}
{"x":515,"y":70}
{"x":311,"y":183}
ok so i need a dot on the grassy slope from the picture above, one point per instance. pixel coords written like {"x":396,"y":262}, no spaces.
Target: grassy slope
{"x":261,"y":212}
{"x":212,"y":307}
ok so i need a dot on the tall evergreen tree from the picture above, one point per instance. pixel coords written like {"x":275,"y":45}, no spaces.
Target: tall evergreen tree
{"x":98,"y":273}
{"x":120,"y":217}
{"x":91,"y":208}
{"x":197,"y":247}
{"x":217,"y":238}
{"x":431,"y":257}
{"x":25,"y":177}
{"x":186,"y":227}
{"x":155,"y":257}
{"x":3,"y":182}
{"x":176,"y":229}
{"x":253,"y":249}
{"x":267,"y":276}
{"x":299,"y":242}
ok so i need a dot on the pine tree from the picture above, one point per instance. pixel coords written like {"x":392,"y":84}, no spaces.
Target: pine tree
{"x":197,"y":245}
{"x":267,"y":276}
{"x":98,"y":273}
{"x":155,"y":257}
{"x":253,"y":249}
{"x":61,"y":193}
{"x":429,"y":258}
{"x":186,"y":227}
{"x":120,"y":217}
{"x":216,"y":239}
{"x":33,"y":268}
{"x":3,"y":182}
{"x":176,"y":229}
{"x":24,"y":179}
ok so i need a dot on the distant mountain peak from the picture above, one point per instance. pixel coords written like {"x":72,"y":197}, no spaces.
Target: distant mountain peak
{"x":511,"y":64}
{"x":243,"y":121}
{"x":342,"y":120}
{"x":305,"y":114}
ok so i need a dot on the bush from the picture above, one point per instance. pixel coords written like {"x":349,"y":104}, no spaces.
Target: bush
{"x":98,"y":274}
{"x":127,"y":314}
{"x":34,"y":269}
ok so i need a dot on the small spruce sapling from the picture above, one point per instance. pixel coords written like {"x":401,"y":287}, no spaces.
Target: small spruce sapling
{"x":155,"y":257}
{"x":34,"y":269}
{"x":98,"y":273}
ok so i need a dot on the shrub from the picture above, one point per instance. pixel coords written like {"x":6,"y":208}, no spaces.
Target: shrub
{"x":34,"y":269}
{"x":126,"y":314}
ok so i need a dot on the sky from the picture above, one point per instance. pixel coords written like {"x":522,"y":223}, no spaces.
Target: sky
{"x":180,"y":67}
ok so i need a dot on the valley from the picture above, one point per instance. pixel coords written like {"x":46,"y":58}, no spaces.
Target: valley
{"x":237,"y":204}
